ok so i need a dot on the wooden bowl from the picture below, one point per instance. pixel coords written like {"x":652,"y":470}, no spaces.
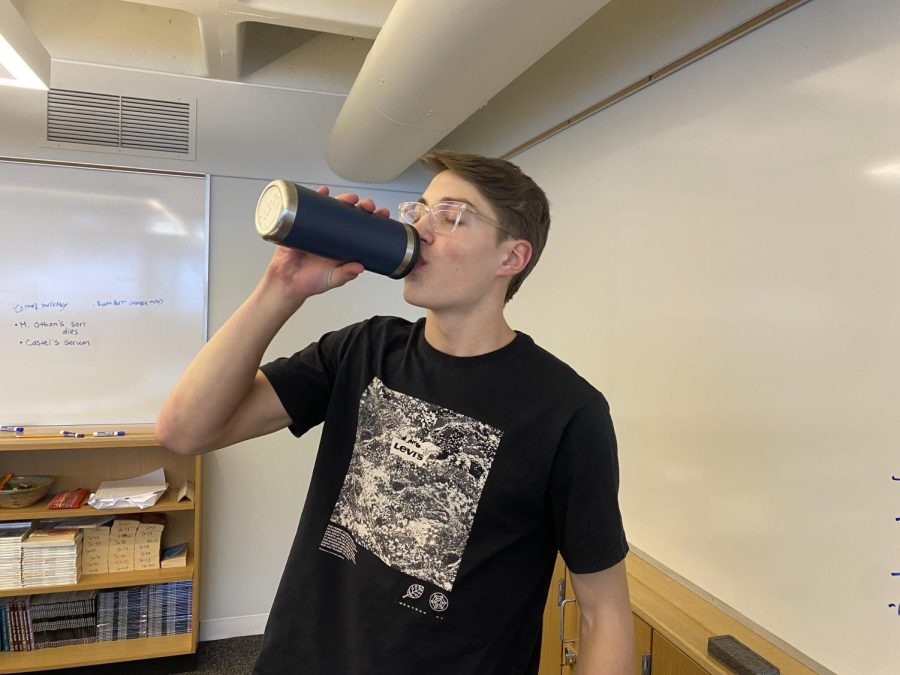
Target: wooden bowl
{"x":23,"y":491}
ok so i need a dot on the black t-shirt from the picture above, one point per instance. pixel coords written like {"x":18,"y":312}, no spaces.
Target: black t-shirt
{"x":442,"y":489}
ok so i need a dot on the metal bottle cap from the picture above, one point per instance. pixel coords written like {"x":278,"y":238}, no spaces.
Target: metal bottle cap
{"x":276,"y":210}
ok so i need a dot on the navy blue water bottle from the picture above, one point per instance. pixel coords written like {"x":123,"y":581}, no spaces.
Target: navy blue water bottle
{"x":295,"y":216}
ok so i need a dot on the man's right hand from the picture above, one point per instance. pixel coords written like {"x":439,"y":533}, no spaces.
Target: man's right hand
{"x":223,"y":398}
{"x":300,"y":274}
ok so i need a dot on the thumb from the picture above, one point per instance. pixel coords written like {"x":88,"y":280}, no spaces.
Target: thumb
{"x":342,"y":274}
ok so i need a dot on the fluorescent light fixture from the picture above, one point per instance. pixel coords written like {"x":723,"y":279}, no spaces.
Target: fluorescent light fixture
{"x":22,"y":55}
{"x":887,"y":171}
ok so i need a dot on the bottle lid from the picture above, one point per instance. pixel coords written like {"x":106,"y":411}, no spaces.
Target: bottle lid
{"x":276,"y":210}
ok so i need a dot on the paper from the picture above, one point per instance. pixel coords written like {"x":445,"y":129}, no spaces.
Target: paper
{"x":95,"y":552}
{"x":186,"y":491}
{"x":146,"y":546}
{"x":121,"y":545}
{"x":141,"y":491}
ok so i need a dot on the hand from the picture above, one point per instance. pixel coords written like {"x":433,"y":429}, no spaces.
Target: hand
{"x":302,"y":274}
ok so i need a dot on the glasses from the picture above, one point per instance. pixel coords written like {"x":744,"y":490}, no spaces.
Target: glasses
{"x":444,"y":217}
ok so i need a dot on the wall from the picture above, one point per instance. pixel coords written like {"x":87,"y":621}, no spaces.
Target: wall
{"x":623,"y":42}
{"x":723,"y":264}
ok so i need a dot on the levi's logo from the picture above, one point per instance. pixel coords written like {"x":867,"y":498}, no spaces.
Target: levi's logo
{"x":411,"y":450}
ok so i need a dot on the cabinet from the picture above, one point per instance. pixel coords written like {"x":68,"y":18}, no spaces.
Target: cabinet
{"x":672,"y":624}
{"x":562,"y":621}
{"x":85,"y":462}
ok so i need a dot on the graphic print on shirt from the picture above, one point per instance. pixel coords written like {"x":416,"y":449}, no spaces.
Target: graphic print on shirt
{"x":413,"y":485}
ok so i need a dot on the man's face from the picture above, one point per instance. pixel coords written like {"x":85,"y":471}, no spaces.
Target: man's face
{"x":456,"y":271}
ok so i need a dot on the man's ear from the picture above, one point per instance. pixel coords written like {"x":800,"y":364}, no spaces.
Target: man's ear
{"x":518,"y":255}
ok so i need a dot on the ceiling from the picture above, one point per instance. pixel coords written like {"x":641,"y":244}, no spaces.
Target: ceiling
{"x":298,"y":44}
{"x":403,"y":93}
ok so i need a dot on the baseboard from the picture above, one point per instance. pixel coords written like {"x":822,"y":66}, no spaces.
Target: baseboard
{"x":233,"y":626}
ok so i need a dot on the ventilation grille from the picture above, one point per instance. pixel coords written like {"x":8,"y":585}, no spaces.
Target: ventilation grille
{"x":133,"y":125}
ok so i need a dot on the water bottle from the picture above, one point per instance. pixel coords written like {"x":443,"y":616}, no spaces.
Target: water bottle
{"x":295,"y":216}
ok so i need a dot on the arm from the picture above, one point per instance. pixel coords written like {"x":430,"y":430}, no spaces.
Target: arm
{"x":606,"y":637}
{"x":222,"y":398}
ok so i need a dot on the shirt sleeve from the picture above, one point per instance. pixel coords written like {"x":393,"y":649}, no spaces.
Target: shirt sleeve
{"x":584,"y":486}
{"x":304,"y":381}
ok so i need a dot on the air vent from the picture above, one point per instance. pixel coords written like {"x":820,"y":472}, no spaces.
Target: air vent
{"x":124,"y":124}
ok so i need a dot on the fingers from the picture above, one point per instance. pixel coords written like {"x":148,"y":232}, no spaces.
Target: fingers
{"x":369,"y":205}
{"x":348,"y":198}
{"x":365,"y":204}
{"x":323,"y":189}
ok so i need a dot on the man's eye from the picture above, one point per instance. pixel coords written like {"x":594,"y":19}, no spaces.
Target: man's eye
{"x":446,"y":216}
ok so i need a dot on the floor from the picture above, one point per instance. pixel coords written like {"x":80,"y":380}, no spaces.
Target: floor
{"x":233,"y":656}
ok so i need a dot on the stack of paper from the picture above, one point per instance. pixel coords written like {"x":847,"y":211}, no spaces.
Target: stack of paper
{"x":121,"y":544}
{"x":122,"y":613}
{"x":95,"y":558}
{"x":170,"y":608}
{"x":51,"y":557}
{"x":60,"y":619}
{"x":146,"y":546}
{"x":141,"y":491}
{"x":11,"y":536}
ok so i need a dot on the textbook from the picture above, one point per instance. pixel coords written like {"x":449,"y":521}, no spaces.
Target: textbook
{"x":174,"y":556}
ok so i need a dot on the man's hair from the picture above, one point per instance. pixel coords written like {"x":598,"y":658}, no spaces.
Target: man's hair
{"x":520,"y":204}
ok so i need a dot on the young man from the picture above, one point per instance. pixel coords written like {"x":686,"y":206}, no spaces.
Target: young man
{"x":456,"y":456}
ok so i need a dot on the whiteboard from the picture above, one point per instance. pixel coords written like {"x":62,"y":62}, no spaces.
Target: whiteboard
{"x":102,"y":291}
{"x":724,"y":263}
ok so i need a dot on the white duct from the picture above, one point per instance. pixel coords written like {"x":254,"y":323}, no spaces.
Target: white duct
{"x":434,"y":63}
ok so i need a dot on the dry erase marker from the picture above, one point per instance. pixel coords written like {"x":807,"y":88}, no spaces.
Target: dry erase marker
{"x":109,"y":433}
{"x":18,"y":430}
{"x":71,"y":434}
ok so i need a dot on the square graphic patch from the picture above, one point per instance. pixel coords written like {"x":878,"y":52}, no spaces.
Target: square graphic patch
{"x":414,"y":483}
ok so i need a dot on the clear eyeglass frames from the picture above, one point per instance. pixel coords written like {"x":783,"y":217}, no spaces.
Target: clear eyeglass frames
{"x":444,"y":217}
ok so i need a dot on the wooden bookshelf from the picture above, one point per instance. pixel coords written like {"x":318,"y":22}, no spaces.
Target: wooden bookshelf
{"x":97,"y":653}
{"x":116,"y":580}
{"x":49,"y":438}
{"x":39,"y":510}
{"x":86,"y":462}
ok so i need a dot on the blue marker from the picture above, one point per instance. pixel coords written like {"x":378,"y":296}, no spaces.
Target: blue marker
{"x":18,"y":430}
{"x":109,"y":433}
{"x":71,"y":434}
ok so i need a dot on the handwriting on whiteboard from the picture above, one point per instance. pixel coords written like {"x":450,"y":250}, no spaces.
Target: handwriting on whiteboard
{"x":895,"y":574}
{"x":34,"y":329}
{"x":133,"y":302}
{"x":37,"y":306}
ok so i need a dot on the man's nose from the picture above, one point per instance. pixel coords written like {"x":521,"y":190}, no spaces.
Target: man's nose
{"x":426,"y":232}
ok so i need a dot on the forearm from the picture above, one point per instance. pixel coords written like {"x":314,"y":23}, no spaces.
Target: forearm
{"x":220,"y":376}
{"x":606,"y":647}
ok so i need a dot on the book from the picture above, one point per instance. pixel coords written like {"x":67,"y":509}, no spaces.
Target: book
{"x":60,"y":619}
{"x":12,"y":535}
{"x":174,"y":556}
{"x":51,"y":557}
{"x":70,"y":499}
